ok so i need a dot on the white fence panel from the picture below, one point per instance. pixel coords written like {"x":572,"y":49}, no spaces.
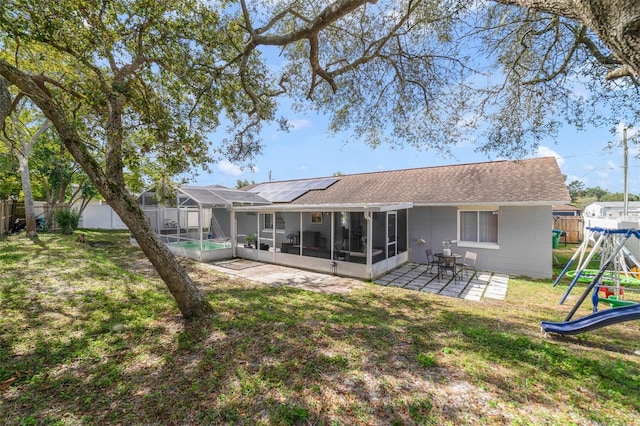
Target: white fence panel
{"x":100,"y":216}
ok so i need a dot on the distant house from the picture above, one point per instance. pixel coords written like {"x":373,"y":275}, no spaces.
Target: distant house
{"x":610,"y":215}
{"x":566,"y":210}
{"x":611,"y":209}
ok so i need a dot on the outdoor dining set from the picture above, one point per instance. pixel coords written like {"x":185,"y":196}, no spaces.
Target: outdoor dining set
{"x":452,"y":263}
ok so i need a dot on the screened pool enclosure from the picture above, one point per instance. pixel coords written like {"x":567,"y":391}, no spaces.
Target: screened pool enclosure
{"x":199,"y":226}
{"x":214,"y":223}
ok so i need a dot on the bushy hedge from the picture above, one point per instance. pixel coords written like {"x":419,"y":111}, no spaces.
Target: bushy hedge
{"x":67,"y":220}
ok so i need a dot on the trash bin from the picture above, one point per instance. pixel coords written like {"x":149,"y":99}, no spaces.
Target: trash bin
{"x":556,"y":237}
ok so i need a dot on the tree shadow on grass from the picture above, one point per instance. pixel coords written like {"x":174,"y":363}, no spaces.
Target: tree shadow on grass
{"x":281,"y":356}
{"x":118,"y":353}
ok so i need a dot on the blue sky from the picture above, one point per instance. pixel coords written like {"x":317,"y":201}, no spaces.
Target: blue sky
{"x":307,"y":150}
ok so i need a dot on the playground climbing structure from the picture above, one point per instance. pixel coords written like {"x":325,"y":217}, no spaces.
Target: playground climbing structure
{"x":615,"y":273}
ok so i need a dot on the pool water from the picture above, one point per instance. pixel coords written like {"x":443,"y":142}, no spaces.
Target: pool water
{"x":206,"y":245}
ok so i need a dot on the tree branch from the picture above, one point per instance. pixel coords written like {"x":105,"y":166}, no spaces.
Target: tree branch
{"x":326,"y":17}
{"x":595,"y":51}
{"x":564,"y":8}
{"x":622,"y":71}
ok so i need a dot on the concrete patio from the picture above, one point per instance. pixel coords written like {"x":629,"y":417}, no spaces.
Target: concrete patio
{"x":474,"y":286}
{"x":412,"y":276}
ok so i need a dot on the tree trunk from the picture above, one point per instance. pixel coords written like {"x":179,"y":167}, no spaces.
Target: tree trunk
{"x":190,"y":301}
{"x":5,"y":101}
{"x":26,"y":144}
{"x":616,"y":22}
{"x":25,"y":178}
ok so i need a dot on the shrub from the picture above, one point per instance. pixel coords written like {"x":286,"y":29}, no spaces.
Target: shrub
{"x":67,"y":220}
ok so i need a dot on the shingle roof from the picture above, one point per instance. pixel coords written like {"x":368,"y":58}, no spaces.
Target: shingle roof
{"x":531,"y":181}
{"x":566,"y":207}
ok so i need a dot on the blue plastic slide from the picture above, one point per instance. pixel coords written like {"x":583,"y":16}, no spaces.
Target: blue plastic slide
{"x":593,"y":321}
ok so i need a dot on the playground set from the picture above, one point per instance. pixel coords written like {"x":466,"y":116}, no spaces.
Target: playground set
{"x":618,"y":272}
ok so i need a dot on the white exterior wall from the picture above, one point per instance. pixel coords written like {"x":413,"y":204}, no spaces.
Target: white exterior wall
{"x":524,"y":234}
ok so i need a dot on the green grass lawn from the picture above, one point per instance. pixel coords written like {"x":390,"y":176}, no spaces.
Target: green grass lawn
{"x":90,"y":335}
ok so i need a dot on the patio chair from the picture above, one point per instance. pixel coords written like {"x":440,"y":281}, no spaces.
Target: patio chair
{"x":431,"y":260}
{"x":468,"y":262}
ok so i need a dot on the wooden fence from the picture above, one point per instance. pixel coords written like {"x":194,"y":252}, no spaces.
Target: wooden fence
{"x":573,"y":226}
{"x":11,"y":210}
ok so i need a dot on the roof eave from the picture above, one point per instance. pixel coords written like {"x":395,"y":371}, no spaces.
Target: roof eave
{"x":494,"y":203}
{"x":338,"y":207}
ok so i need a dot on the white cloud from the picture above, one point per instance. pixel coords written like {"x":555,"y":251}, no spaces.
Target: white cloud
{"x":545,"y":151}
{"x":299,"y":124}
{"x":229,"y":168}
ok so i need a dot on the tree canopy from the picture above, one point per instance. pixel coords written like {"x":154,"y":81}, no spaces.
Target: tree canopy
{"x":422,"y":72}
{"x":139,"y":84}
{"x":582,"y":196}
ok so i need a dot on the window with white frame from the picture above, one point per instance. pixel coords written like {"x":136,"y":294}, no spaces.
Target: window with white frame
{"x":479,"y":226}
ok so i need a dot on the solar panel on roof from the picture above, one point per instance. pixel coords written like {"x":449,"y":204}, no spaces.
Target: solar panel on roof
{"x":282,"y":196}
{"x":282,"y":192}
{"x":321,"y":183}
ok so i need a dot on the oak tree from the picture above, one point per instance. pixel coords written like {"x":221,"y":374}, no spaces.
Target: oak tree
{"x":148,"y":80}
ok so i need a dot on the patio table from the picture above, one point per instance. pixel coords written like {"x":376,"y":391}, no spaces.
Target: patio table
{"x":448,"y":262}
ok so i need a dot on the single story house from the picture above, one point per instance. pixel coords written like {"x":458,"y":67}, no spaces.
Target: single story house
{"x":613,"y":209}
{"x":364,"y":225}
{"x":566,"y":210}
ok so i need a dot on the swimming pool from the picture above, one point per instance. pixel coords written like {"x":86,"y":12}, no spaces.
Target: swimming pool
{"x":206,"y":245}
{"x":211,"y":250}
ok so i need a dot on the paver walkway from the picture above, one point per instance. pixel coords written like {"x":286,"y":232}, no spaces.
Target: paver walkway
{"x":414,"y":276}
